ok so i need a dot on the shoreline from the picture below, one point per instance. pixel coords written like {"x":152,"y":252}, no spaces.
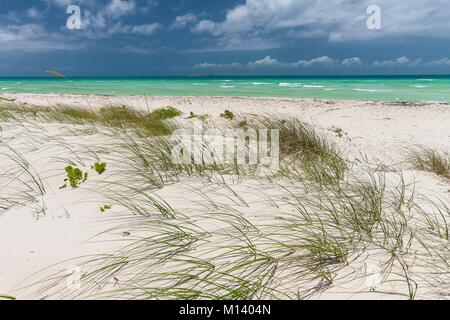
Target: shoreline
{"x":20,"y":95}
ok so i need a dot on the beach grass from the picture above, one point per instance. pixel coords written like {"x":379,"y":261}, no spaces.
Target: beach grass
{"x":303,"y":149}
{"x":431,"y":160}
{"x":313,"y":226}
{"x":153,"y":123}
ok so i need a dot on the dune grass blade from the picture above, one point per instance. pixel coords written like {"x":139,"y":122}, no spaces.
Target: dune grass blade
{"x":428,"y":159}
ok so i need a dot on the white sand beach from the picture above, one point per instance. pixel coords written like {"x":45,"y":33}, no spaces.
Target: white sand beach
{"x":61,"y":228}
{"x":377,"y":129}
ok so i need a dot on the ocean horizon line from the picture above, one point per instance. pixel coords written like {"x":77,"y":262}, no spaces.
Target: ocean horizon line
{"x":67,"y":76}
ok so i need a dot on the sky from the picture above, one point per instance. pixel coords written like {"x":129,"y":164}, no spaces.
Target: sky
{"x":226,"y":37}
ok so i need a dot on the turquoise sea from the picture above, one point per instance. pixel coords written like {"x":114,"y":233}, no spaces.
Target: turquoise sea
{"x":425,"y":89}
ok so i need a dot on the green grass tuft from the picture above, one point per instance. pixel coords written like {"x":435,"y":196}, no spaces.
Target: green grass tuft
{"x":227,"y":114}
{"x":164,"y":113}
{"x":152,"y":124}
{"x":428,"y":159}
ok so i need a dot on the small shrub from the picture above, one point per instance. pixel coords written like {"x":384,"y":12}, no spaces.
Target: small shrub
{"x":99,"y":167}
{"x":164,"y":113}
{"x":191,"y":115}
{"x":243,"y":124}
{"x":201,"y":117}
{"x":338,"y":131}
{"x":105,"y":208}
{"x":75,"y":177}
{"x":227,"y":114}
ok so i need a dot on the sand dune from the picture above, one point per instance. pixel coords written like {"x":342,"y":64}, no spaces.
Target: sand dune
{"x":42,"y":225}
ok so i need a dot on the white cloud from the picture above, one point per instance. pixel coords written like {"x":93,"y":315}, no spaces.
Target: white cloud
{"x":141,"y":29}
{"x":324,"y":60}
{"x":61,"y":3}
{"x":118,"y":8}
{"x":102,"y":19}
{"x":145,"y":29}
{"x":355,"y":61}
{"x":33,"y":12}
{"x":206,"y":26}
{"x":94,"y":21}
{"x":149,"y":5}
{"x":280,"y":21}
{"x":31,"y":38}
{"x":184,"y":20}
{"x":269,"y":62}
{"x":98,"y":21}
{"x":106,"y":21}
{"x":66,"y":3}
{"x":390,"y":63}
{"x":440,"y":62}
{"x":21,"y":32}
{"x":207,"y":65}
